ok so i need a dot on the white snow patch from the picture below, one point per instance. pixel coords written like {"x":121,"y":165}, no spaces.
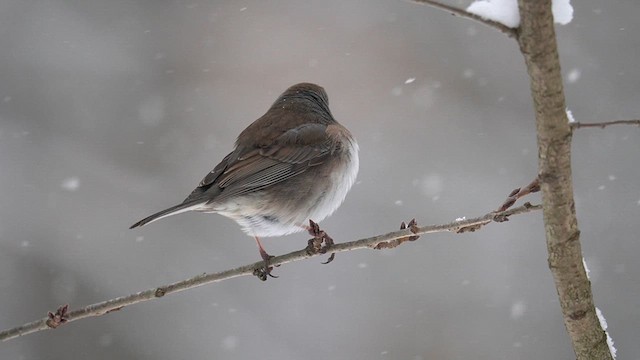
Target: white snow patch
{"x":502,"y":11}
{"x":562,"y":11}
{"x":398,"y":202}
{"x":570,"y":116}
{"x":230,"y":342}
{"x":431,"y":185}
{"x":573,"y":75}
{"x":603,"y":323}
{"x":517,"y":309}
{"x":506,"y":11}
{"x":586,"y":269}
{"x":410,"y":80}
{"x":461,"y":218}
{"x":71,"y":183}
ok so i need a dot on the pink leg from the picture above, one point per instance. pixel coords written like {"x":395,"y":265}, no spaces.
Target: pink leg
{"x":263,"y":253}
{"x":266,"y":271}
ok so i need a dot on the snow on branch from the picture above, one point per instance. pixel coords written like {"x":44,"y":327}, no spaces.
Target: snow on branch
{"x":468,"y":15}
{"x":506,"y":11}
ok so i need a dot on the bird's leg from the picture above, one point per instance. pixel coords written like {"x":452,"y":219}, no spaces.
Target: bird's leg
{"x":263,"y":253}
{"x":319,"y":236}
{"x":262,"y":273}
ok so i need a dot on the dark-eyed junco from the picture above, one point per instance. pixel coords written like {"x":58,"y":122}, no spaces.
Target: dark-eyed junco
{"x":293,"y":164}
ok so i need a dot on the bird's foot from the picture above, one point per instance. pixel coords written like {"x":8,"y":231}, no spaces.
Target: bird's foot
{"x":265,"y":271}
{"x":315,"y":244}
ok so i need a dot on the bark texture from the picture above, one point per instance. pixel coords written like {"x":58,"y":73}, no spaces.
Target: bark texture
{"x":537,"y":42}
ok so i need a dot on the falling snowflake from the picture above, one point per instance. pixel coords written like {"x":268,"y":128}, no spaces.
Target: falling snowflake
{"x":71,"y":183}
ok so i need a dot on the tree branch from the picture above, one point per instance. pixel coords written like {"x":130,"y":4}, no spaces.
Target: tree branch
{"x":537,"y":42}
{"x":602,"y":125}
{"x":62,"y":315}
{"x":467,"y":15}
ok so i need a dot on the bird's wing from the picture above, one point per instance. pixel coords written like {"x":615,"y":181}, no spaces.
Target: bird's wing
{"x":249,"y":169}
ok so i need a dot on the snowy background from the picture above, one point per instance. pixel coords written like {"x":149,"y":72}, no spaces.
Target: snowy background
{"x":112,"y":110}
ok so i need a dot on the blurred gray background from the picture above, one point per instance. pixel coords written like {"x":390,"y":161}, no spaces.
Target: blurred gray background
{"x":112,"y":110}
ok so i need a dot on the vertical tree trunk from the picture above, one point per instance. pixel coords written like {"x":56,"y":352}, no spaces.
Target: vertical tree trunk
{"x":537,"y":42}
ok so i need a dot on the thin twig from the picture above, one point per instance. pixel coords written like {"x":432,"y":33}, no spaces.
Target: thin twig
{"x":465,"y":14}
{"x":64,"y":316}
{"x":516,"y":194}
{"x":602,"y":125}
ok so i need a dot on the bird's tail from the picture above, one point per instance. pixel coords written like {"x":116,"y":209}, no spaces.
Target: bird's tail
{"x":180,"y":208}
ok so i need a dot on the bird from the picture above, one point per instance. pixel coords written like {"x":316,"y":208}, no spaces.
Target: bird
{"x":293,"y":164}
